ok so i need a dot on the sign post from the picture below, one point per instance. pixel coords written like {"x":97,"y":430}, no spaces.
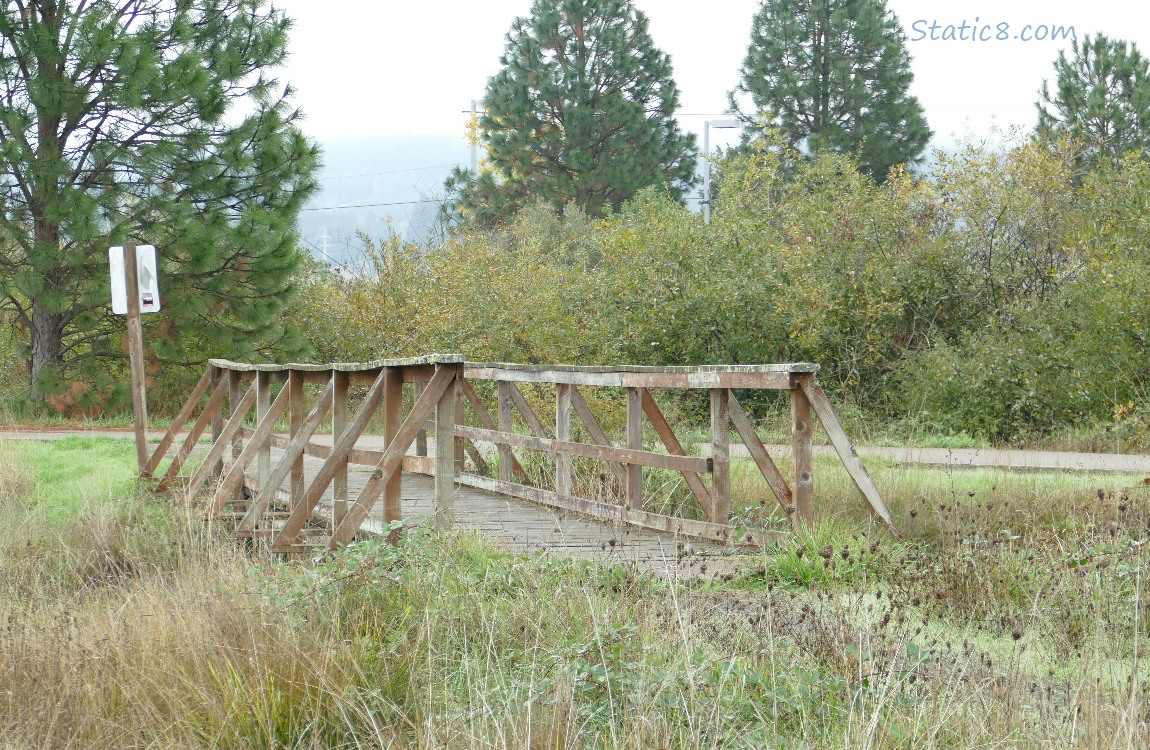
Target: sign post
{"x":135,"y":290}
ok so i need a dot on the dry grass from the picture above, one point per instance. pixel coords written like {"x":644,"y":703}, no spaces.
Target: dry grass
{"x":132,"y":625}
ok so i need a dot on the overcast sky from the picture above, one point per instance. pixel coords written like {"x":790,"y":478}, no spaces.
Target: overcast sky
{"x":378,"y":68}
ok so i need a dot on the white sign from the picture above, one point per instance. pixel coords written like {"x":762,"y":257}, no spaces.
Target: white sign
{"x":146,"y":275}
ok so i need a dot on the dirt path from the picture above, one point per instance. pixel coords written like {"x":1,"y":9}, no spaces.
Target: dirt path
{"x":953,"y":457}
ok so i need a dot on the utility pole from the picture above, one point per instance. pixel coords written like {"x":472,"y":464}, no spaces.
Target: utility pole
{"x":707,"y":155}
{"x":473,"y":126}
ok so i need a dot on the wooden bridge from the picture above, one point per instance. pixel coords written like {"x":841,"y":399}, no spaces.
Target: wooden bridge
{"x":422,"y":441}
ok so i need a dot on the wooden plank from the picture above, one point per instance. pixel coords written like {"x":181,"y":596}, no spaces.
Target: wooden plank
{"x":634,"y":484}
{"x":585,"y":450}
{"x":777,"y":380}
{"x":339,"y":452}
{"x":233,"y":480}
{"x":596,"y":431}
{"x":443,"y":379}
{"x":842,"y":445}
{"x":263,"y":403}
{"x":506,"y":456}
{"x":136,"y":357}
{"x":720,"y":453}
{"x":563,"y":480}
{"x":486,"y":421}
{"x":392,"y":419}
{"x":295,"y":421}
{"x":421,"y":436}
{"x":621,"y":515}
{"x":178,"y":422}
{"x":209,"y":414}
{"x":294,"y":448}
{"x":227,"y":434}
{"x":759,"y":455}
{"x":355,"y":456}
{"x":446,"y":466}
{"x":675,"y":448}
{"x":218,"y":417}
{"x":534,"y":423}
{"x":801,"y":455}
{"x":341,"y":381}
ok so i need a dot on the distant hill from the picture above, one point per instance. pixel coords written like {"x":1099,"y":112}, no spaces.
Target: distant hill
{"x":405,"y":174}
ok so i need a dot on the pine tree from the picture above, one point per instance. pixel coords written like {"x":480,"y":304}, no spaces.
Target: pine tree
{"x":117,"y":123}
{"x":1102,"y":97}
{"x":581,"y":113}
{"x":835,"y":75}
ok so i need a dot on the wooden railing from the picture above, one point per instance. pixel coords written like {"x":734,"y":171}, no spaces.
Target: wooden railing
{"x":484,"y":448}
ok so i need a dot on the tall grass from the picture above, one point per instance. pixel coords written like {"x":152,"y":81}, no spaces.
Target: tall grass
{"x":133,"y":624}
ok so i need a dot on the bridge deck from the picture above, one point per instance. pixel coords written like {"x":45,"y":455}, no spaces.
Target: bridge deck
{"x":520,"y":526}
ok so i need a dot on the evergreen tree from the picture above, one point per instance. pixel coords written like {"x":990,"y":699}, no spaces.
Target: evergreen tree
{"x":581,"y":113}
{"x":1102,"y":97}
{"x":117,"y":123}
{"x":835,"y":75}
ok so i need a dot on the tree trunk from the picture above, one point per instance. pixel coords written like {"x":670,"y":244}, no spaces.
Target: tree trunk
{"x":47,"y":344}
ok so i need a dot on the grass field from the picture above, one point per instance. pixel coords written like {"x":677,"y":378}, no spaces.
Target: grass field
{"x":1009,"y":614}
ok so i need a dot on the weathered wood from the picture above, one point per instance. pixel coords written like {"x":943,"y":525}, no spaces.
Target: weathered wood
{"x":506,"y":456}
{"x":263,"y":403}
{"x":211,"y":414}
{"x":339,"y":453}
{"x":720,"y":453}
{"x":421,"y":436}
{"x":621,"y":515}
{"x":216,"y":453}
{"x":636,"y":377}
{"x":233,"y":480}
{"x":295,"y":421}
{"x":446,"y":464}
{"x":392,"y":420}
{"x":634,"y":484}
{"x":340,"y":384}
{"x":596,"y":431}
{"x":675,"y":448}
{"x":178,"y":422}
{"x":218,"y":416}
{"x":485,"y":420}
{"x":563,"y":480}
{"x":801,"y":456}
{"x":534,"y":423}
{"x":294,"y":448}
{"x":586,"y":450}
{"x":136,"y":357}
{"x":443,"y":379}
{"x":759,"y":455}
{"x":355,"y":456}
{"x":846,"y":451}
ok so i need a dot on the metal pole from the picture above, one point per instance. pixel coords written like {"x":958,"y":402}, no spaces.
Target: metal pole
{"x":474,"y":136}
{"x":136,"y":354}
{"x":707,"y":172}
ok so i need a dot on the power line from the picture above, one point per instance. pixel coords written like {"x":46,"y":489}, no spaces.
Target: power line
{"x":369,"y":205}
{"x":391,"y":171}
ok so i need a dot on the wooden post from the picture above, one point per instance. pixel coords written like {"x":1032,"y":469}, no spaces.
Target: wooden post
{"x":235,"y":393}
{"x":505,"y":454}
{"x":295,"y":422}
{"x":392,"y":419}
{"x":421,"y":436}
{"x":340,"y":381}
{"x":445,"y":454}
{"x":263,"y":403}
{"x":218,"y":380}
{"x":460,"y":443}
{"x":720,"y":455}
{"x":563,"y":483}
{"x":635,"y":442}
{"x":801,"y":452}
{"x":136,"y":353}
